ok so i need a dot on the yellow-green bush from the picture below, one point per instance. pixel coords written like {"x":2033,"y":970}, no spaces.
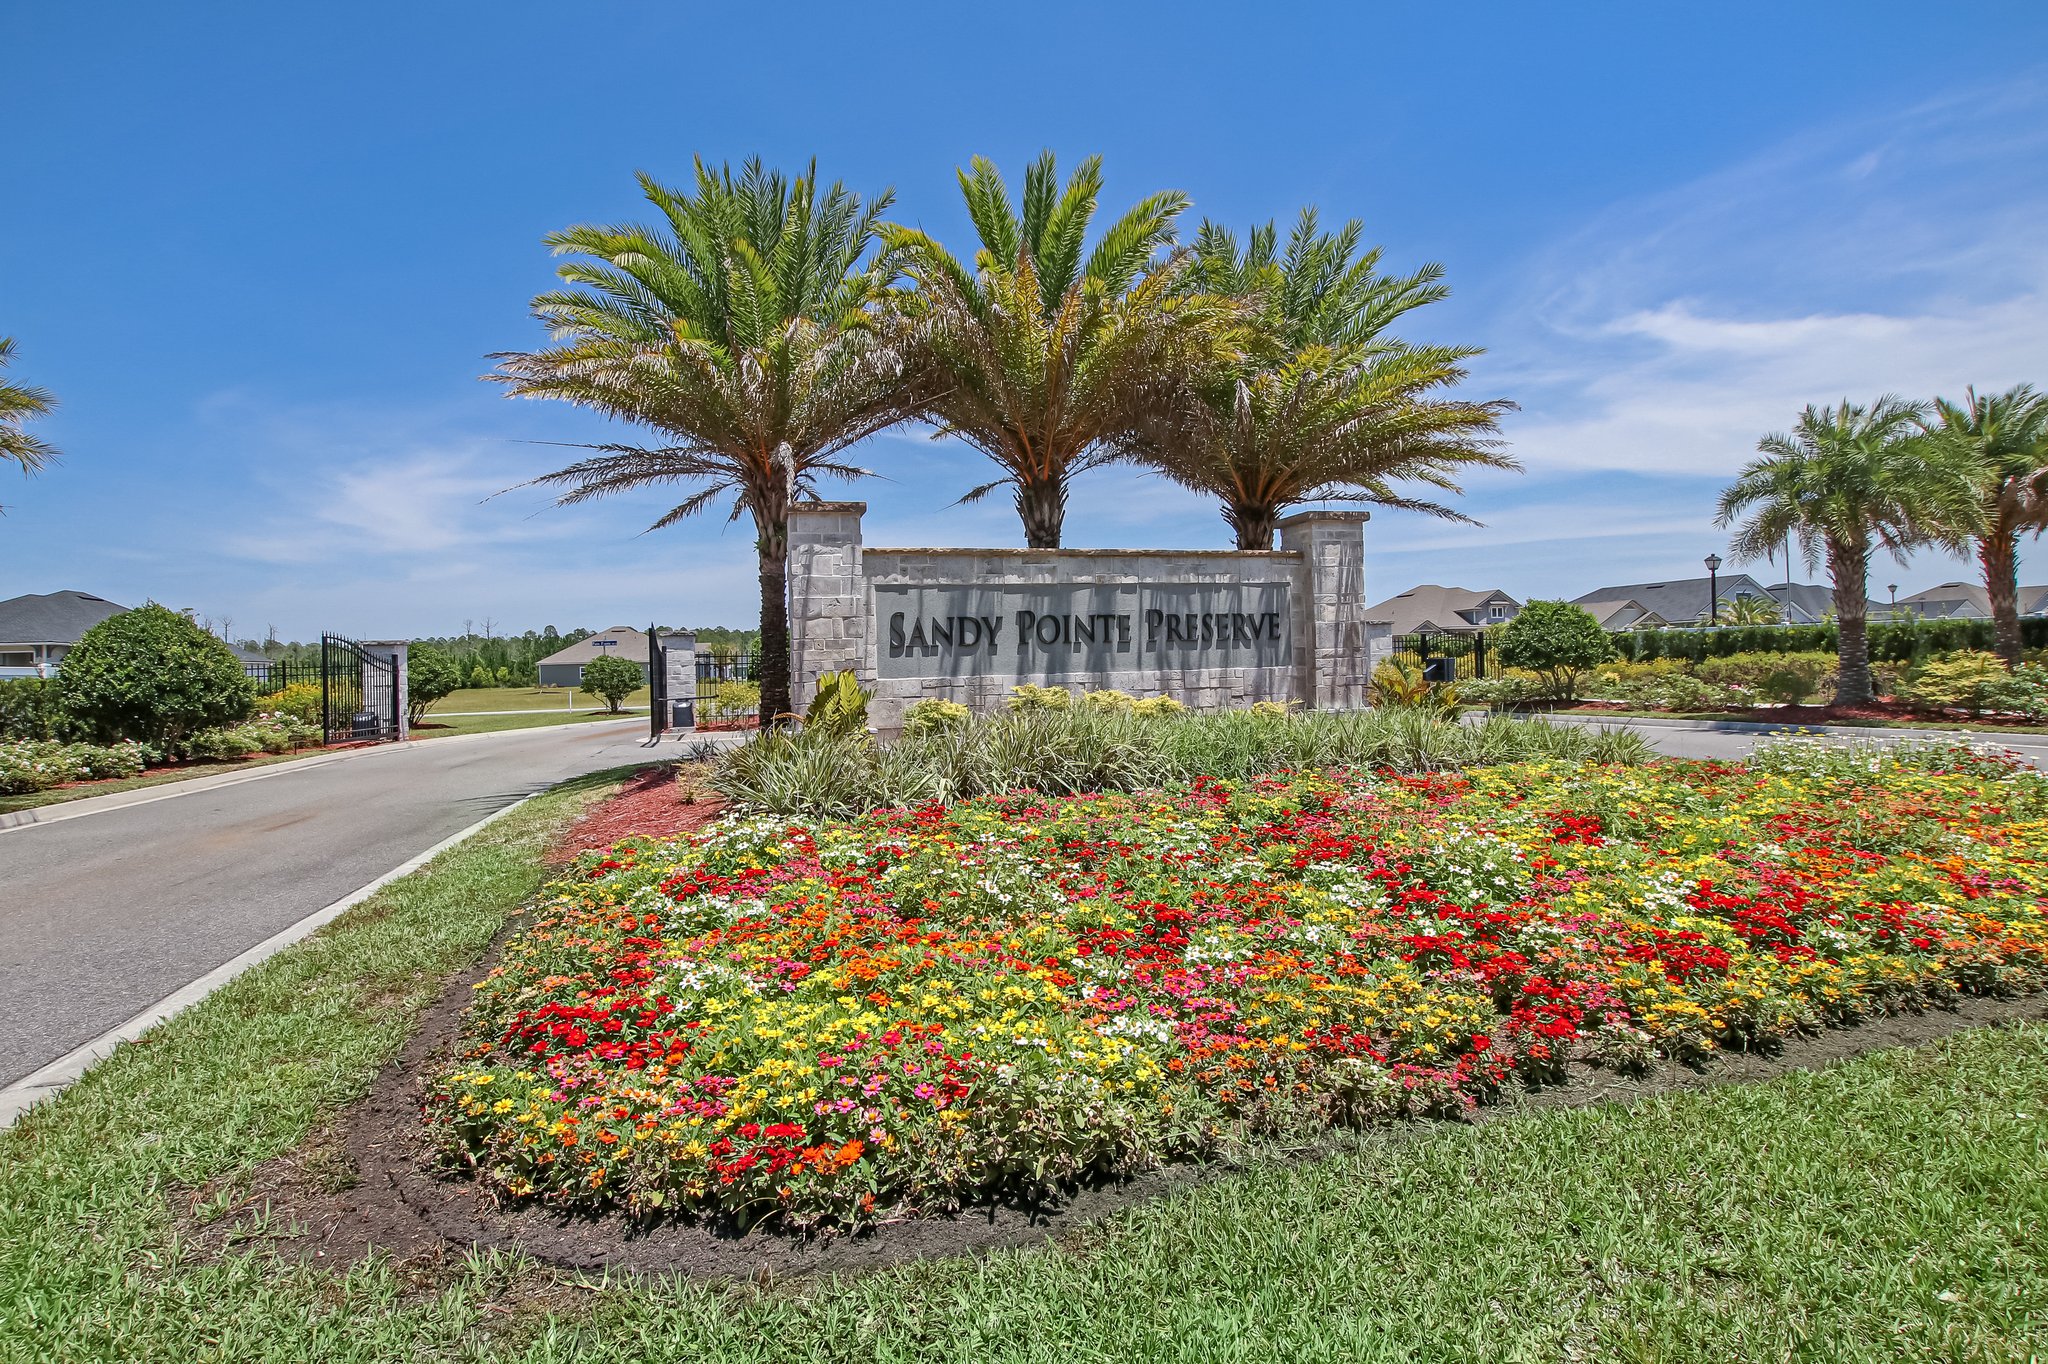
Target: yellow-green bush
{"x":1157,"y":705}
{"x":301,"y":701}
{"x":934,"y":715}
{"x":1024,"y":696}
{"x":1959,"y":681}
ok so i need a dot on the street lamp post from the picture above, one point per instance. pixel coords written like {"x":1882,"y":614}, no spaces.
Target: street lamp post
{"x":1713,"y":588}
{"x":1893,"y":588}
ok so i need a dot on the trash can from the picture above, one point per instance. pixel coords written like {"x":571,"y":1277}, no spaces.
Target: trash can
{"x":1439,"y":670}
{"x":364,"y":724}
{"x":682,"y":714}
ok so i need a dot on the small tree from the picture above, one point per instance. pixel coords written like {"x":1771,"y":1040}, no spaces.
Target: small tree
{"x":612,"y":678}
{"x":430,"y":675}
{"x":153,"y":675}
{"x":478,"y":677}
{"x":1558,"y":640}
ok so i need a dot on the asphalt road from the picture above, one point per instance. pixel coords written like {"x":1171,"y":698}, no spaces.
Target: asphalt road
{"x":1707,"y":739}
{"x":103,"y":915}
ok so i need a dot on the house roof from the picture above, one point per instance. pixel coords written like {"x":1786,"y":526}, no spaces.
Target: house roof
{"x":53,"y":617}
{"x":1680,"y":600}
{"x":1430,"y":607}
{"x":1607,"y":612}
{"x":628,"y":642}
{"x":1946,"y":600}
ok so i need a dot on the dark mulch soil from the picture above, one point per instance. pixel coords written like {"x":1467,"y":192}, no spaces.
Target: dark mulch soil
{"x":660,"y":801}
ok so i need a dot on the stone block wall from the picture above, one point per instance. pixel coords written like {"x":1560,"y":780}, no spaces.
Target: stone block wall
{"x":833,"y":621}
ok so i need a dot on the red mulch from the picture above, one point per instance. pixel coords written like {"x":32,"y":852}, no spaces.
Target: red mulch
{"x":649,"y":803}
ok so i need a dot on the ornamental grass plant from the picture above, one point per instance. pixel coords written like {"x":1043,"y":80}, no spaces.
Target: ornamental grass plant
{"x":1068,"y":750}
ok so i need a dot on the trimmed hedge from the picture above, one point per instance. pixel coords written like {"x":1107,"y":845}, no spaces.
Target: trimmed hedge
{"x":1890,"y":641}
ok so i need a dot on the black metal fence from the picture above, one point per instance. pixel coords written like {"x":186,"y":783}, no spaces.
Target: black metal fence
{"x":715,"y":665}
{"x":359,"y":695}
{"x":1448,"y":658}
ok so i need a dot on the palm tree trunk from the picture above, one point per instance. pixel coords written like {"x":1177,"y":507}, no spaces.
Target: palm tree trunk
{"x":1043,"y":508}
{"x":1849,"y":567}
{"x":771,"y":522}
{"x":1254,"y":525}
{"x":1998,"y":554}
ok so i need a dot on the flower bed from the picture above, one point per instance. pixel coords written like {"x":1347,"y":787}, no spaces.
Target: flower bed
{"x":868,"y":1020}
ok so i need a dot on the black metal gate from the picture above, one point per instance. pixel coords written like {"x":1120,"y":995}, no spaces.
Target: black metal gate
{"x":359,"y":697}
{"x":1448,"y":658}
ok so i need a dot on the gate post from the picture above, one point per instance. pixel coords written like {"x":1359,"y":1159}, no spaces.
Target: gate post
{"x":391,"y":653}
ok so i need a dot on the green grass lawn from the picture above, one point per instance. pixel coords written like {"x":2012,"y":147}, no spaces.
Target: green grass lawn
{"x":524,"y":698}
{"x":1889,"y":1208}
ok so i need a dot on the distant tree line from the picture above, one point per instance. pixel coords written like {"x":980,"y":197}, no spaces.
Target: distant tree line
{"x":482,"y":657}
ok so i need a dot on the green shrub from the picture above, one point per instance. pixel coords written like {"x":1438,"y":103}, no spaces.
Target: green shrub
{"x":1277,"y":709}
{"x":1109,"y":700}
{"x":152,"y":675}
{"x":222,"y":745}
{"x":1558,"y":640}
{"x":1157,"y":705}
{"x":41,"y":764}
{"x":479,"y":678}
{"x":1958,"y":682}
{"x":614,"y":679}
{"x":1026,"y":697}
{"x":840,"y":706}
{"x":28,"y":708}
{"x":430,"y":674}
{"x":1679,"y":691}
{"x":934,"y":715}
{"x":730,"y":700}
{"x":2023,"y":692}
{"x":1751,"y":669}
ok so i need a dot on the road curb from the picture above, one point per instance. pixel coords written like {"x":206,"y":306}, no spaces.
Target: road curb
{"x":21,"y":1095}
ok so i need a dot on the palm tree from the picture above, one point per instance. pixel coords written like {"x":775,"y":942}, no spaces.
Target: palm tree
{"x":1843,"y":478}
{"x":20,"y":403}
{"x":2004,"y":438}
{"x":1323,"y":404}
{"x":1749,"y":611}
{"x":1042,"y":355}
{"x":744,"y":330}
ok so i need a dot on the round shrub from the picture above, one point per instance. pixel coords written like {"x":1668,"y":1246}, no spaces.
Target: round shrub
{"x":612,"y":678}
{"x":152,"y":675}
{"x":430,"y":674}
{"x":934,"y":715}
{"x":1558,"y":640}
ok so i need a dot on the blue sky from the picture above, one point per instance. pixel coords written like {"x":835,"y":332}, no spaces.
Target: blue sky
{"x":260,"y":253}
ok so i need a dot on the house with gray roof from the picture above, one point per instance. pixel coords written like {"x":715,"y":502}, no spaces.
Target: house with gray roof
{"x":1967,"y":601}
{"x":1623,"y":613}
{"x":37,"y":630}
{"x":564,"y":667}
{"x":1683,"y":601}
{"x":1433,"y":610}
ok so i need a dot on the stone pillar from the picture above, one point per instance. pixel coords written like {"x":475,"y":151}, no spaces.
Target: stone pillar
{"x":827,"y":600}
{"x":1341,"y":647}
{"x":396,"y":650}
